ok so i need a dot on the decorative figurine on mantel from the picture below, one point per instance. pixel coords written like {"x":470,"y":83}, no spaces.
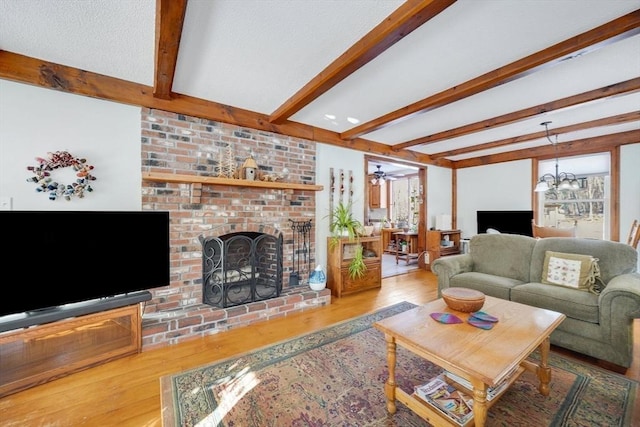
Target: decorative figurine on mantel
{"x":274,"y":177}
{"x":226,"y":164}
{"x":249,"y":169}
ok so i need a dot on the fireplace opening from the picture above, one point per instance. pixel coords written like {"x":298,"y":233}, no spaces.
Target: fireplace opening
{"x":240,"y":268}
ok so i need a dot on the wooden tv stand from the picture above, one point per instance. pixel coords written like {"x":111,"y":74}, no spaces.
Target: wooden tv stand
{"x":40,"y":353}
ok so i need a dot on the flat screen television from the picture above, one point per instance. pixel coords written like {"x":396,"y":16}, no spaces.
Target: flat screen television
{"x":508,"y":222}
{"x":52,"y":258}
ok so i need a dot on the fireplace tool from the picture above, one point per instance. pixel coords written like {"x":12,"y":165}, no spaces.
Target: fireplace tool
{"x":301,"y":248}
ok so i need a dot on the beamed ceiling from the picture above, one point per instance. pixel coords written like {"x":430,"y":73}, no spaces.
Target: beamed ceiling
{"x":453,"y":83}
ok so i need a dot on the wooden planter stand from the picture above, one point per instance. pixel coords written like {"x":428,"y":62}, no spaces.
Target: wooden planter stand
{"x":338,"y":260}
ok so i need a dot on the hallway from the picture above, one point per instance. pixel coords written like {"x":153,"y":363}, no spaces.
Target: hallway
{"x":390,"y":268}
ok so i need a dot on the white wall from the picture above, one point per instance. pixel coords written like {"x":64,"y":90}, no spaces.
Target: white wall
{"x":439,"y":194}
{"x":35,"y":121}
{"x":629,"y":187}
{"x":500,"y":186}
{"x":327,"y":157}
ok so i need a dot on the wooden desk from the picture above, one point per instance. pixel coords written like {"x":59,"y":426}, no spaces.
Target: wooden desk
{"x":412,"y":245}
{"x":519,"y":331}
{"x":387,"y":237}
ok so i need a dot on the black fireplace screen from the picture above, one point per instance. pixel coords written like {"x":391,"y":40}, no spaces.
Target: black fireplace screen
{"x":240,"y":268}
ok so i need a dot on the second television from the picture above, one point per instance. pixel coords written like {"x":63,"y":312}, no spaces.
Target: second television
{"x":508,"y":222}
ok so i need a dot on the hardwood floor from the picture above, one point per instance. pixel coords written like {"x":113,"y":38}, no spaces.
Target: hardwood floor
{"x":126,"y":392}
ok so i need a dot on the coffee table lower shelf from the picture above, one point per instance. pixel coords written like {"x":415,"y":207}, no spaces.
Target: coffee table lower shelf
{"x":434,"y":415}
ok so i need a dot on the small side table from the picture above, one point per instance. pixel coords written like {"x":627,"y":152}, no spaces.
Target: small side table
{"x":387,"y":238}
{"x":412,"y":246}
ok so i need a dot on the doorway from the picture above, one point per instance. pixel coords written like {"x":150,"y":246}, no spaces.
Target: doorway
{"x":395,"y":202}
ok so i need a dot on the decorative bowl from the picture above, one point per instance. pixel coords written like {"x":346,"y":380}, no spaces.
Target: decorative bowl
{"x":463,"y":299}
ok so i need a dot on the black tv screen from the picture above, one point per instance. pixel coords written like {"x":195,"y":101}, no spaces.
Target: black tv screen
{"x":508,"y":222}
{"x":52,"y":258}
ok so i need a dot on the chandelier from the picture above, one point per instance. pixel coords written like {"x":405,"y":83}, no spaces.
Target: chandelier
{"x":378,"y":176}
{"x":561,"y":180}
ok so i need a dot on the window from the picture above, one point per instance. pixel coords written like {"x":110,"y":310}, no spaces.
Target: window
{"x":587,"y":208}
{"x":405,"y":201}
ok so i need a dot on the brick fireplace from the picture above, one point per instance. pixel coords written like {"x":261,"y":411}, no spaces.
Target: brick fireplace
{"x":177,"y":144}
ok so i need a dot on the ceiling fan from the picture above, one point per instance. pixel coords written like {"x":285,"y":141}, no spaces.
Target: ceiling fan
{"x":378,"y":176}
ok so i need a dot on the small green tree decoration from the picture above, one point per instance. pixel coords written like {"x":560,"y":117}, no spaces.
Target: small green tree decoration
{"x":227,"y":163}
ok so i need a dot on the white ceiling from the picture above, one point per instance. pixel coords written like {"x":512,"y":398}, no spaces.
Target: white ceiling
{"x":254,"y":55}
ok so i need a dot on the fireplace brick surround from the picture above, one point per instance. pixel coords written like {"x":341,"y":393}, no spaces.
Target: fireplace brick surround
{"x":173,"y":143}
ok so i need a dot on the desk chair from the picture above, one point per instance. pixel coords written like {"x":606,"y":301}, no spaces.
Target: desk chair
{"x":634,"y":234}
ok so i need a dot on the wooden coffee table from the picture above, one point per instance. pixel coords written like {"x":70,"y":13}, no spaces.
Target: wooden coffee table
{"x":483,"y":357}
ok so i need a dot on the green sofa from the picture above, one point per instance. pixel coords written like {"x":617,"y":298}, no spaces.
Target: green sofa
{"x":510,"y":266}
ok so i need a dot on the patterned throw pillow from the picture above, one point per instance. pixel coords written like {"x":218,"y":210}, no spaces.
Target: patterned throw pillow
{"x":573,"y":271}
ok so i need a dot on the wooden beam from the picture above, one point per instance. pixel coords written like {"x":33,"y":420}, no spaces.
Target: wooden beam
{"x":621,"y":88}
{"x":592,"y":145}
{"x":169,"y":21}
{"x":621,"y":28}
{"x":614,"y":222}
{"x":409,"y":16}
{"x":606,"y":121}
{"x":534,"y":194}
{"x":24,"y":69}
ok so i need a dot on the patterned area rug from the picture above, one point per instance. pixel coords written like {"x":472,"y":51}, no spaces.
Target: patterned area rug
{"x":335,"y":377}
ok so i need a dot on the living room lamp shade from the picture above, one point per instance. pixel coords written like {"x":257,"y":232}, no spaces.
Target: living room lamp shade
{"x":249,"y":169}
{"x":561,"y":180}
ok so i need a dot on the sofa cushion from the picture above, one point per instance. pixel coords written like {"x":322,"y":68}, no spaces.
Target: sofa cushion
{"x":488,"y":284}
{"x":505,"y":255}
{"x":614,"y":258}
{"x":571,"y":270}
{"x":573,"y":303}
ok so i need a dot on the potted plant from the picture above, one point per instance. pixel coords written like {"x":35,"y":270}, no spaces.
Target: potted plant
{"x":343,"y":224}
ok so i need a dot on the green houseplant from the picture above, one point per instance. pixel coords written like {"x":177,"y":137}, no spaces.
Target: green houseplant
{"x":343,"y":224}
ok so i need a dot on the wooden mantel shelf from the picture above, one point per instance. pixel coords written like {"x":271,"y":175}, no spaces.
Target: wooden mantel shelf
{"x":211,"y":180}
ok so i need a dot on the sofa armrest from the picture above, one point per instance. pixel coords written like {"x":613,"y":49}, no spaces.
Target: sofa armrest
{"x":447,"y":267}
{"x":619,"y":305}
{"x":621,"y":297}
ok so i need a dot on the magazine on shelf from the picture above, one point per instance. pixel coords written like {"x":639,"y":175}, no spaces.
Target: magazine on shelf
{"x":454,"y":404}
{"x":492,"y":392}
